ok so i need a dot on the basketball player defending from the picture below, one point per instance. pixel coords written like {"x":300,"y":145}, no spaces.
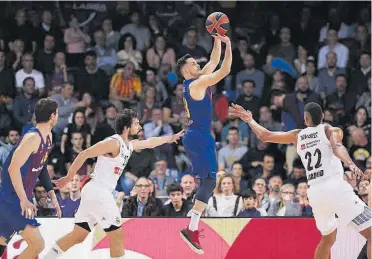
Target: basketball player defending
{"x":97,"y":202}
{"x":198,"y":141}
{"x":321,"y":151}
{"x":25,"y":163}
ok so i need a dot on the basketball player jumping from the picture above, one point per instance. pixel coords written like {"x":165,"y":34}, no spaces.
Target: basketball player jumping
{"x":321,"y":150}
{"x":97,"y":202}
{"x":198,"y":141}
{"x":25,"y":163}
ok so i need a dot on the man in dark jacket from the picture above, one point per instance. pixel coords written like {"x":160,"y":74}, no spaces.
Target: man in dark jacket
{"x":142,"y":204}
{"x":178,"y":207}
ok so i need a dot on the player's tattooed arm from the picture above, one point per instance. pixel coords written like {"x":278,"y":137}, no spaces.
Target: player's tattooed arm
{"x":215,"y":57}
{"x":29,"y":145}
{"x":156,"y":141}
{"x":262,"y":133}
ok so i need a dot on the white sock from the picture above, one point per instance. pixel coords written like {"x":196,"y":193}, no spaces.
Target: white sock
{"x":194,"y":222}
{"x":54,"y":252}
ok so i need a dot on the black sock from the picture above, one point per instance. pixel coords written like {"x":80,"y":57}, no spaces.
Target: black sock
{"x":2,"y":249}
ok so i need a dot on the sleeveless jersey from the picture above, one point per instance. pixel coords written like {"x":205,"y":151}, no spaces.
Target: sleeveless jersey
{"x":317,"y":156}
{"x":200,"y":112}
{"x":109,"y":169}
{"x":31,"y":169}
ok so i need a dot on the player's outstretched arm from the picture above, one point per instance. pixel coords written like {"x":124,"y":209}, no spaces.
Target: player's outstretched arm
{"x":103,"y":147}
{"x":335,"y":136}
{"x":262,"y":133}
{"x":215,"y":57}
{"x":205,"y":81}
{"x":156,"y":141}
{"x":29,"y":145}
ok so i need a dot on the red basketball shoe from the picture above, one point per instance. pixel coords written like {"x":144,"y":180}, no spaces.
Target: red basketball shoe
{"x":192,"y":239}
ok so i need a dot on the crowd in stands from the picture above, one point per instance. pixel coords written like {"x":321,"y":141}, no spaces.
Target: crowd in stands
{"x":97,"y":58}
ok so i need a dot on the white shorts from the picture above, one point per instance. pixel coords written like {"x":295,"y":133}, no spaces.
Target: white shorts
{"x":97,"y":206}
{"x":336,"y":197}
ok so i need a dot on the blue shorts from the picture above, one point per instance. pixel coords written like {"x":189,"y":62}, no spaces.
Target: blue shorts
{"x":11,"y":219}
{"x":201,"y":149}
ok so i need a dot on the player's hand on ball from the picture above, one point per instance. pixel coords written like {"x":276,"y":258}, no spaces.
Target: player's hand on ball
{"x":175,"y":138}
{"x":28,"y":209}
{"x":355,"y":170}
{"x":238,"y":111}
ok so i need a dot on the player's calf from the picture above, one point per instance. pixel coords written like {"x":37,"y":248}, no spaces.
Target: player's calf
{"x":116,"y":239}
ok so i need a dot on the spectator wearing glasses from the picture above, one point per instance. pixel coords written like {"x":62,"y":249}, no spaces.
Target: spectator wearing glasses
{"x":178,"y":207}
{"x":259,"y":187}
{"x":284,"y":205}
{"x":142,"y":204}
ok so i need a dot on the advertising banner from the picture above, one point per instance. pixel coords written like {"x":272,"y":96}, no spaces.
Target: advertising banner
{"x":158,"y":238}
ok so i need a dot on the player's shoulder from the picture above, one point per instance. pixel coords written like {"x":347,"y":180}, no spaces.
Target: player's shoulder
{"x":31,"y":137}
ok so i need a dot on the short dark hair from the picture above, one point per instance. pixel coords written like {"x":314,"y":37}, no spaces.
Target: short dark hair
{"x":248,"y":194}
{"x":342,"y":75}
{"x":90,"y":53}
{"x":249,"y":81}
{"x":315,"y":112}
{"x":181,"y":62}
{"x":297,"y":163}
{"x":26,"y":79}
{"x":174,"y":187}
{"x":44,"y":108}
{"x":125,"y":119}
{"x":38,"y":184}
{"x":233,"y":128}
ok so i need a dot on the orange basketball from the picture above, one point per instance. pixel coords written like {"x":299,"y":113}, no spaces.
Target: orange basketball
{"x":217,"y":23}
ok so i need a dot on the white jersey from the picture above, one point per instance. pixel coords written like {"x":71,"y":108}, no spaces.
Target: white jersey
{"x":108,"y":169}
{"x":317,"y":156}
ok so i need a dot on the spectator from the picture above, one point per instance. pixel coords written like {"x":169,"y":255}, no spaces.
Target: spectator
{"x":285,"y":206}
{"x":5,"y":148}
{"x":364,"y":190}
{"x":112,"y":36}
{"x":178,"y":207}
{"x":128,"y":52}
{"x":236,"y":173}
{"x":327,"y":76}
{"x":311,"y":76}
{"x":224,"y":203}
{"x":14,"y":57}
{"x":107,"y":127}
{"x":361,"y":120}
{"x":248,"y":99}
{"x":70,"y":204}
{"x":160,"y":53}
{"x":204,"y":38}
{"x":365,"y":99}
{"x":76,"y":41}
{"x":142,"y":204}
{"x":7,"y":88}
{"x":48,"y":27}
{"x":360,"y":150}
{"x":265,"y":169}
{"x":106,"y":57}
{"x":303,"y":199}
{"x":191,"y":47}
{"x":188,"y":185}
{"x":266,"y":120}
{"x":52,"y":172}
{"x":249,"y":210}
{"x":59,"y":74}
{"x":242,"y":127}
{"x":66,"y":106}
{"x":42,"y":202}
{"x":298,"y":174}
{"x":29,"y":71}
{"x":24,"y":104}
{"x":147,"y":103}
{"x":252,"y":74}
{"x":77,"y":141}
{"x":138,"y":30}
{"x":342,"y":102}
{"x":173,"y":106}
{"x":231,"y":152}
{"x":92,"y":79}
{"x":285,"y":49}
{"x":162,"y":177}
{"x":155,"y":25}
{"x":361,"y":45}
{"x":275,"y":184}
{"x":44,"y":59}
{"x":152,"y":80}
{"x":78,"y":125}
{"x":220,"y":108}
{"x":259,"y":186}
{"x":359,"y":80}
{"x":125,"y":86}
{"x":333,"y":45}
{"x":301,"y":61}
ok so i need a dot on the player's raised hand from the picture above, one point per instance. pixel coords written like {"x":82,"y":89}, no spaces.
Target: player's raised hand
{"x":61,"y":182}
{"x":28,"y":209}
{"x":238,"y":111}
{"x":357,"y":173}
{"x":175,"y":138}
{"x":224,"y":39}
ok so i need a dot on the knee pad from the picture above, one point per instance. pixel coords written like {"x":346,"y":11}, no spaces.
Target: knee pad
{"x":2,"y":249}
{"x":111,"y":228}
{"x":205,"y":189}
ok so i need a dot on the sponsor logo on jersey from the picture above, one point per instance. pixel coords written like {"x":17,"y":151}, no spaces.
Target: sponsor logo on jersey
{"x":37,"y":169}
{"x":116,"y":170}
{"x":303,"y":146}
{"x":309,"y":136}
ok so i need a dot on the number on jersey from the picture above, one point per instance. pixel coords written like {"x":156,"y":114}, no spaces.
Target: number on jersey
{"x":309,"y":156}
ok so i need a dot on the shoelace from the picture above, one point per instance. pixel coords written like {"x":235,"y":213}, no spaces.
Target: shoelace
{"x":199,"y":235}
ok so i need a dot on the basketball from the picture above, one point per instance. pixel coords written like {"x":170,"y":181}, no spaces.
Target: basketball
{"x":217,"y":23}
